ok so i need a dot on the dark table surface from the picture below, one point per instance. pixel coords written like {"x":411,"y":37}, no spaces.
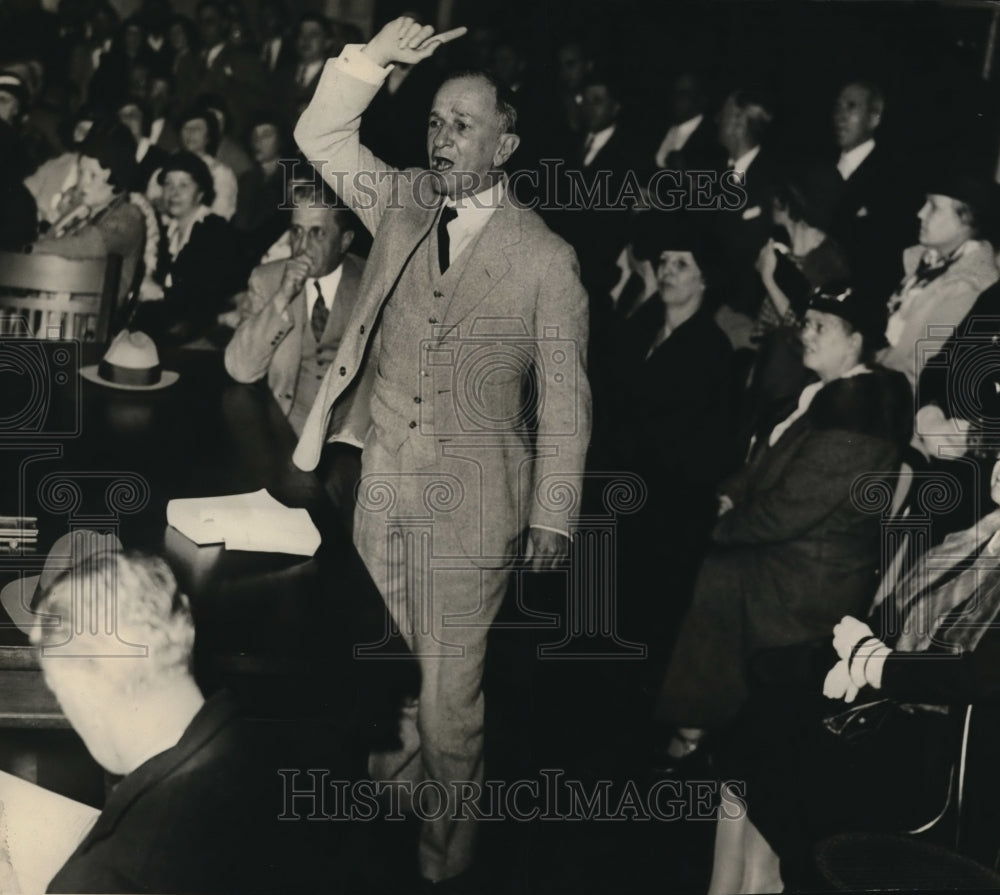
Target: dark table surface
{"x":287,"y":634}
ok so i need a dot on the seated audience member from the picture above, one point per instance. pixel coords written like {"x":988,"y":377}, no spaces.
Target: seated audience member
{"x":161,"y":101}
{"x":185,"y":65}
{"x":275,"y":41}
{"x":691,"y":141}
{"x":873,"y":220}
{"x":945,"y":273}
{"x":149,"y":158}
{"x":743,"y":123}
{"x":299,"y":308}
{"x":931,"y":639}
{"x":666,"y":418}
{"x":297,"y":82}
{"x":596,"y":224}
{"x":791,"y":553}
{"x":958,"y":416}
{"x":230,"y":152}
{"x":110,"y":82}
{"x":199,"y":265}
{"x":191,"y":804}
{"x":200,"y":136}
{"x":13,"y":104}
{"x":798,"y":258}
{"x":229,"y":68}
{"x":105,"y":221}
{"x":53,"y":184}
{"x":259,"y":218}
{"x":18,"y":212}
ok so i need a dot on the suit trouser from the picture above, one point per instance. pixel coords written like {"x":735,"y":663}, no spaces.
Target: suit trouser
{"x":443,"y":606}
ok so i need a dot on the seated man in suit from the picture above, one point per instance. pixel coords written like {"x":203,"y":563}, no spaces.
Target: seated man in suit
{"x":743,"y":122}
{"x":690,"y":142}
{"x":875,"y":220}
{"x":297,"y":82}
{"x":300,"y":307}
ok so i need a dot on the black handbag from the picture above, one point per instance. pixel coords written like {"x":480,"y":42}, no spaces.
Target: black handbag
{"x":909,"y":752}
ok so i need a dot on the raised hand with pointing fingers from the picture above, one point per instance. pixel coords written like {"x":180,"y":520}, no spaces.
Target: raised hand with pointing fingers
{"x":405,"y":40}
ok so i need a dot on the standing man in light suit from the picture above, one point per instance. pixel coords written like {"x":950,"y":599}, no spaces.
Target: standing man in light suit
{"x":468,"y":303}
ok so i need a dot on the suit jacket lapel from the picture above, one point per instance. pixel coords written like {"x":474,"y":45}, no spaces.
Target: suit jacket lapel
{"x":488,"y":263}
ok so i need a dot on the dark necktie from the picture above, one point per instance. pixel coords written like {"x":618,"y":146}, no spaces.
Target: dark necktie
{"x":448,"y":214}
{"x":320,"y":314}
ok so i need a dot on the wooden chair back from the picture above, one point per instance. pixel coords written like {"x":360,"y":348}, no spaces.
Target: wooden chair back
{"x":49,"y":297}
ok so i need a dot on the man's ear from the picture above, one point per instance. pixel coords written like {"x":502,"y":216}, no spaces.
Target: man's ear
{"x":505,"y":148}
{"x":346,"y":238}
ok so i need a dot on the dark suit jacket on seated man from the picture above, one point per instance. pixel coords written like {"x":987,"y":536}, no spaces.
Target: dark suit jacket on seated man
{"x":193,"y":802}
{"x":459,"y":321}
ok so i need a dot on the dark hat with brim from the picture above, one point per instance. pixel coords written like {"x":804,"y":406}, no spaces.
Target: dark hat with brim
{"x":861,"y":311}
{"x":966,"y":186}
{"x":661,"y":232}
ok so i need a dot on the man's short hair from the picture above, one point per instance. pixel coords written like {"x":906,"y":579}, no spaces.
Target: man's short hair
{"x":759,"y":111}
{"x":875,"y":92}
{"x":320,"y":19}
{"x":506,"y":108}
{"x":317,"y":193}
{"x":141,"y":595}
{"x":143,"y":107}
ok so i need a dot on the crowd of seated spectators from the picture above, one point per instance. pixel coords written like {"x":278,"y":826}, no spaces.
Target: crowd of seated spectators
{"x":750,"y":357}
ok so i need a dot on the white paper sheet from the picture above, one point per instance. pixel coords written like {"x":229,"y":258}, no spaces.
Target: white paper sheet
{"x":43,"y":829}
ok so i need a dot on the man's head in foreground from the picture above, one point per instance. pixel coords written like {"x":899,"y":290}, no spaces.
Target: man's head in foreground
{"x":116,"y":644}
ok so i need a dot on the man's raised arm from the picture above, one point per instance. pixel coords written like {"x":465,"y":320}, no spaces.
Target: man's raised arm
{"x":327,"y":131}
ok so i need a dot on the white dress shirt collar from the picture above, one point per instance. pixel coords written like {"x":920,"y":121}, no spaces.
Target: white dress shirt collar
{"x":599,"y":141}
{"x":851,"y":160}
{"x":178,"y":236}
{"x":328,"y":285}
{"x":676,"y":137}
{"x":746,"y":160}
{"x":141,"y":148}
{"x":213,"y":54}
{"x":474,"y":212}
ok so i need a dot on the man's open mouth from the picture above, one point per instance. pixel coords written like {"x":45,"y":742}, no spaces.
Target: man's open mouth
{"x":442,"y":164}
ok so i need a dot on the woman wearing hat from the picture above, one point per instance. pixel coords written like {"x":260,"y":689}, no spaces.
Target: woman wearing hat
{"x":931,"y":637}
{"x":199,"y":130}
{"x":945,"y":273}
{"x":791,"y":552}
{"x":199,"y":265}
{"x":105,"y":221}
{"x":667,"y":420}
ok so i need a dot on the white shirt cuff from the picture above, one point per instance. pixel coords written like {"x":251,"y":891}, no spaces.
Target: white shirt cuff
{"x":558,"y":531}
{"x":353,"y":62}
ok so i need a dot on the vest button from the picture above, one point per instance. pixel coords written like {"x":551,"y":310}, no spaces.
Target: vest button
{"x":343,"y":371}
{"x":413,"y":424}
{"x":438,"y":293}
{"x":432,"y":320}
{"x":362,"y":329}
{"x":416,"y":400}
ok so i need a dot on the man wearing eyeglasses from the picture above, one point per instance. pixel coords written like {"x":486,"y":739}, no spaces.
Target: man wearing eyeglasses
{"x":298,"y":310}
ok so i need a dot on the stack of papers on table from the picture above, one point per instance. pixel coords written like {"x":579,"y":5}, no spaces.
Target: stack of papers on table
{"x":245,"y":522}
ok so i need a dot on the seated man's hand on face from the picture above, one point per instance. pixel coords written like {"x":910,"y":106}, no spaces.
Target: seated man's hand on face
{"x":404,"y":40}
{"x":293,"y":279}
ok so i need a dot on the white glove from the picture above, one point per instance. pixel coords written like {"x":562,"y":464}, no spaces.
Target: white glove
{"x":847,"y":633}
{"x":838,"y":683}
